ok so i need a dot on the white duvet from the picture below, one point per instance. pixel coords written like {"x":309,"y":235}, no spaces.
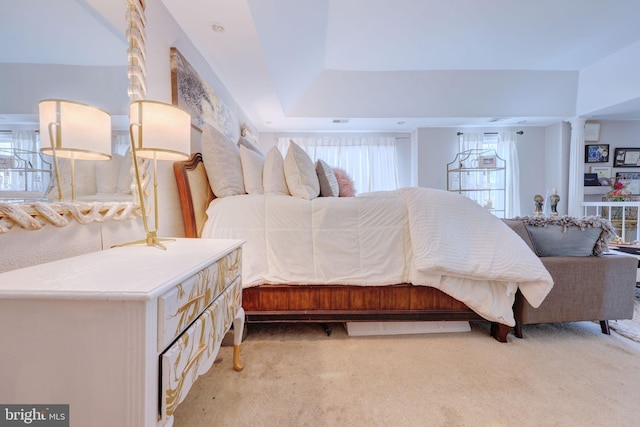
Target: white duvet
{"x":413,"y":235}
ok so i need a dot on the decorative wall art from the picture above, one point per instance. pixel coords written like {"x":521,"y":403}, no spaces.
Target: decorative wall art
{"x":592,"y":132}
{"x":597,"y":153}
{"x":603,"y":172}
{"x":627,"y":158}
{"x":192,"y":93}
{"x":623,"y":176}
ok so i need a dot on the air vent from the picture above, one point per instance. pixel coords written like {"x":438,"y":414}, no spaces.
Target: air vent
{"x":340,"y":120}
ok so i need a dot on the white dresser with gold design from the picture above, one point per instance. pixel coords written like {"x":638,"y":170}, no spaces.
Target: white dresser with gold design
{"x":120,"y":335}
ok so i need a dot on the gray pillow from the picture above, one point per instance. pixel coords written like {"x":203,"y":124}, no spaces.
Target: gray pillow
{"x":328,"y":183}
{"x":551,"y":240}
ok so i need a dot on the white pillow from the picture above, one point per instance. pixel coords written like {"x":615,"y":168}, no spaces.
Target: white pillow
{"x":222,"y":162}
{"x":273,"y":173}
{"x":107,"y":174}
{"x":300,"y":173}
{"x":328,"y":183}
{"x":252,"y":166}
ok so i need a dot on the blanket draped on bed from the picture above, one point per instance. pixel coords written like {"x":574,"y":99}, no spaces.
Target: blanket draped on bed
{"x":412,"y":235}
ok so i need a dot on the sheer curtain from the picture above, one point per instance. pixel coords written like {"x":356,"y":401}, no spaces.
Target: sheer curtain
{"x":370,"y":160}
{"x":508,"y":150}
{"x":121,"y":144}
{"x":504,"y":143}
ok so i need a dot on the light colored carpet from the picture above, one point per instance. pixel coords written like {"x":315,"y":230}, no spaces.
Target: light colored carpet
{"x":296,"y":375}
{"x":629,"y":328}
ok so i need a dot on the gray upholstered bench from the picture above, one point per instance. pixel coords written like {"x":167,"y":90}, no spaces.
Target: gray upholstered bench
{"x":588,"y":284}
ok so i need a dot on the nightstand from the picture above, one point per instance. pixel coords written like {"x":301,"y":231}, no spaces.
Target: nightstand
{"x":122,"y":334}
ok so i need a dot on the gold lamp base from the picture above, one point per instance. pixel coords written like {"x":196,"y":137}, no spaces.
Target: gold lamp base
{"x":151,"y":240}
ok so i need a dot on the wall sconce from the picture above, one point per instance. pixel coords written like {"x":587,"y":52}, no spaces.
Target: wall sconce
{"x":77,"y":132}
{"x":158,"y":131}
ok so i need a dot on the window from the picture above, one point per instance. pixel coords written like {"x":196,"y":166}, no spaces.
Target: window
{"x":22,"y":167}
{"x":371,"y":161}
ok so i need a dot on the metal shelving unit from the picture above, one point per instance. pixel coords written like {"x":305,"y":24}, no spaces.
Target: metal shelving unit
{"x":481,"y":176}
{"x":19,"y":173}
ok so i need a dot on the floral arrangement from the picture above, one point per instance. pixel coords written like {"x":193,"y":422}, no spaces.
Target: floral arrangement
{"x":618,"y":193}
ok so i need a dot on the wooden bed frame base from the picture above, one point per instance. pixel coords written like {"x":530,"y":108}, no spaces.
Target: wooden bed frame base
{"x":347,"y":303}
{"x":323,"y":303}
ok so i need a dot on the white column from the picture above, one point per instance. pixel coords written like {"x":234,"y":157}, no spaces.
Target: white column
{"x":576,"y":168}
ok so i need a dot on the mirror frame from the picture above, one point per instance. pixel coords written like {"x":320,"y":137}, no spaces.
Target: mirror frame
{"x":35,"y":215}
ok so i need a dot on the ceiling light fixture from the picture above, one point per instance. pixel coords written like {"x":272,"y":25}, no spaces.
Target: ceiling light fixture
{"x":340,"y":120}
{"x":217,"y":28}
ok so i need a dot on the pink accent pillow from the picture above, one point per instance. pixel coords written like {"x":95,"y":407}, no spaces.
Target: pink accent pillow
{"x":345,"y":183}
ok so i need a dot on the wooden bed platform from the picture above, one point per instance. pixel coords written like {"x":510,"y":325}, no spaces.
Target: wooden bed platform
{"x":322,"y":303}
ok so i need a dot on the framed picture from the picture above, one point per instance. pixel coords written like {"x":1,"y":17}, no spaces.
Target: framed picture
{"x":603,"y":172}
{"x":627,"y":158}
{"x":592,"y":132}
{"x":192,"y":93}
{"x":596,"y":153}
{"x":487,"y":161}
{"x":624,"y":176}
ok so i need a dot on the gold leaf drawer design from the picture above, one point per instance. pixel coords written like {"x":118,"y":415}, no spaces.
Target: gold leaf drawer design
{"x":195,"y":351}
{"x":181,"y":305}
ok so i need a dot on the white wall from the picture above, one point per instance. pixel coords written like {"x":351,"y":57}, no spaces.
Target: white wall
{"x":610,"y":81}
{"x":23,"y":85}
{"x":162,"y":34}
{"x":557,"y":142}
{"x":436,"y":147}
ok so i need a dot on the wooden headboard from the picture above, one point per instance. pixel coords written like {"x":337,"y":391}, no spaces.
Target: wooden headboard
{"x":195,"y":193}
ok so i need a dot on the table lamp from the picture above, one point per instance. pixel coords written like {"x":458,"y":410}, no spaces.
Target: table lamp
{"x":158,"y":131}
{"x":75,"y":131}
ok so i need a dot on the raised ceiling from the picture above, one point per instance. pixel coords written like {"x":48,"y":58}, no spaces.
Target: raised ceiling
{"x":379,"y":65}
{"x":299,"y":65}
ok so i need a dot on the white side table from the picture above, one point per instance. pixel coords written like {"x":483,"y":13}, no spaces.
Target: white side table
{"x":120,"y":335}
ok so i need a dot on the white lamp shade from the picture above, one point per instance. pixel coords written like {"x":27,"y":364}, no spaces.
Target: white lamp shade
{"x":80,"y":131}
{"x":164,"y":130}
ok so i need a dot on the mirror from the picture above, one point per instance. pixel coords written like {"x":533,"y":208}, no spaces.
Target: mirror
{"x":75,"y":50}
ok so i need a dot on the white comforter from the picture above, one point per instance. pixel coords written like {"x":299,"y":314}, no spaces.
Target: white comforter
{"x":412,"y":235}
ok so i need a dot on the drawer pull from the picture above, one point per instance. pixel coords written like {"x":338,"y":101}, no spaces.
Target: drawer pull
{"x":201,"y":350}
{"x":190,"y":302}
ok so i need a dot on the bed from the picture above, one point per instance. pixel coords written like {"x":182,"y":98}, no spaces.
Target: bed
{"x":272,"y":294}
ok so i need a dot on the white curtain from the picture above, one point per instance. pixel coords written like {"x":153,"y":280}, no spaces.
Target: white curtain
{"x":121,"y":144}
{"x":371,"y":161}
{"x":506,"y":148}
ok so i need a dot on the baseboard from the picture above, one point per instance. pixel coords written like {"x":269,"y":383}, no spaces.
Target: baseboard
{"x":355,"y":329}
